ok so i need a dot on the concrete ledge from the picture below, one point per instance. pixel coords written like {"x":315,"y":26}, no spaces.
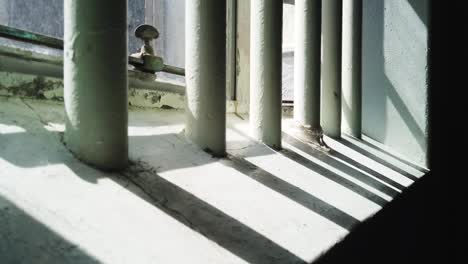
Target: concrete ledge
{"x":170,"y":195}
{"x":34,"y":75}
{"x":27,"y":74}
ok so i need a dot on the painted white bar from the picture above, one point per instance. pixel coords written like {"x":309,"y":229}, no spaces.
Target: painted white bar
{"x":352,"y":68}
{"x":265,"y":71}
{"x":307,"y":63}
{"x":331,"y":67}
{"x":205,"y":67}
{"x":95,"y":81}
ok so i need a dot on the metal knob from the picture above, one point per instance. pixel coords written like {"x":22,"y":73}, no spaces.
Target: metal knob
{"x":146,"y":60}
{"x":146,"y":33}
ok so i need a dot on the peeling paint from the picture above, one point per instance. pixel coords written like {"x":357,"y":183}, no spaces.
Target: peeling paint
{"x":22,"y":85}
{"x":155,"y":99}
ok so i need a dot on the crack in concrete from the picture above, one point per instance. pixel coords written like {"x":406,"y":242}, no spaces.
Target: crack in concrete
{"x":232,"y":235}
{"x":242,"y":148}
{"x":139,"y":167}
{"x":42,"y":121}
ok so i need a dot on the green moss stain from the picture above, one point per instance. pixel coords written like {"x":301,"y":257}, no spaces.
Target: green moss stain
{"x":37,"y":87}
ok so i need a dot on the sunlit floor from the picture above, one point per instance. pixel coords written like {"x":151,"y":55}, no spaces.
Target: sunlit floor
{"x":176,"y":203}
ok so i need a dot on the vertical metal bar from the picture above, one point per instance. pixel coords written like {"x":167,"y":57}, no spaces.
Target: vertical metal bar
{"x":205,"y":49}
{"x":352,"y":82}
{"x":95,"y":80}
{"x":307,"y":63}
{"x":331,"y":67}
{"x":231,"y":11}
{"x":266,"y":18}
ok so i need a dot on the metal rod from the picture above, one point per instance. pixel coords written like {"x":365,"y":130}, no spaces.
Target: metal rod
{"x":231,"y":39}
{"x":307,"y":63}
{"x":145,"y":81}
{"x":35,"y":38}
{"x":31,"y":37}
{"x":351,"y":79}
{"x":96,"y":82}
{"x":205,"y":49}
{"x":19,"y":61}
{"x":331,"y":67}
{"x":266,"y":18}
{"x":16,"y":60}
{"x":173,"y":70}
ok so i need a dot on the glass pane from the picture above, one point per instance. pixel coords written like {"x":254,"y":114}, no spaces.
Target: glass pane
{"x":288,"y":52}
{"x":168,"y":16}
{"x":46,"y":17}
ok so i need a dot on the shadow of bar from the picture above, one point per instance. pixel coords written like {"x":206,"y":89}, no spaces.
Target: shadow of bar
{"x":23,"y":239}
{"x":346,"y":169}
{"x":352,"y":145}
{"x":334,"y":177}
{"x":292,"y":192}
{"x":366,"y":169}
{"x":207,"y":220}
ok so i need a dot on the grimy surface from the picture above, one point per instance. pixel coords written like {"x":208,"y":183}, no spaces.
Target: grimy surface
{"x":176,"y":203}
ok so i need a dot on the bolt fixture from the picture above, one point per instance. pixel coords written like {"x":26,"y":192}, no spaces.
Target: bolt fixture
{"x":146,"y":60}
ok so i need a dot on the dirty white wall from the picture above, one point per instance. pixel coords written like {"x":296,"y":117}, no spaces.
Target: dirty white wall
{"x":395,"y":75}
{"x":395,"y":71}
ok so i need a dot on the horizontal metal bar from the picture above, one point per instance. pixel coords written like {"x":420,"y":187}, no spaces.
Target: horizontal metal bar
{"x":26,"y":62}
{"x":31,"y":37}
{"x":29,"y":56}
{"x":35,"y":38}
{"x":173,"y":70}
{"x":134,"y":61}
{"x":146,"y":81}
